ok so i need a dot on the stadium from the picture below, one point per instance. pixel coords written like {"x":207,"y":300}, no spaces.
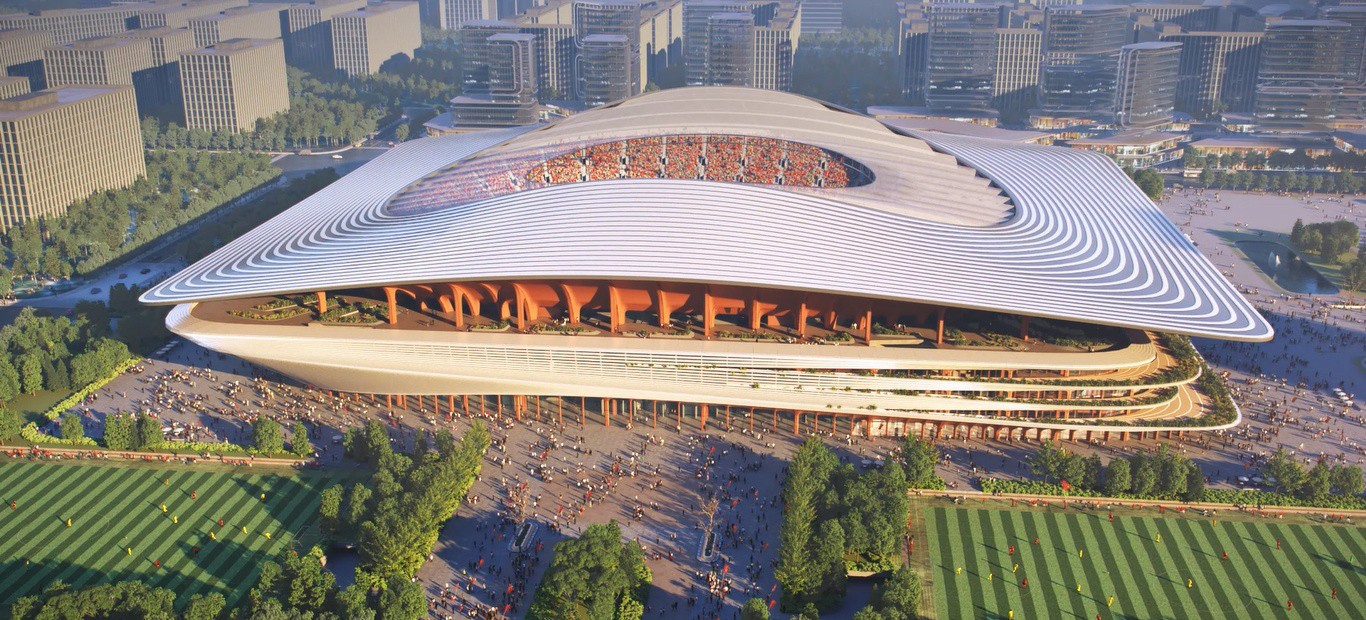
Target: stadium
{"x":734,"y":258}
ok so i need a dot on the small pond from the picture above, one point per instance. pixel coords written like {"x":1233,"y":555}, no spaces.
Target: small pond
{"x":1286,"y":268}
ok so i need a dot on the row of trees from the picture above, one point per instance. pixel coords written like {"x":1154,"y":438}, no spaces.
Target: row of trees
{"x":836,"y":519}
{"x":1163,"y":474}
{"x":1342,"y":183}
{"x":180,"y":186}
{"x":1286,"y":475}
{"x":855,"y":67}
{"x":597,"y":575}
{"x":1329,"y":240}
{"x":1147,"y":180}
{"x":1280,"y":160}
{"x":57,"y":353}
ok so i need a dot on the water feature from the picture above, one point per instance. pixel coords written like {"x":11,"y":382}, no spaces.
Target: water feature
{"x":1286,"y":268}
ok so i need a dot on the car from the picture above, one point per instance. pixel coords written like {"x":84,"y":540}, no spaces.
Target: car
{"x":145,"y":271}
{"x":336,"y":157}
{"x":123,"y":276}
{"x":94,"y":291}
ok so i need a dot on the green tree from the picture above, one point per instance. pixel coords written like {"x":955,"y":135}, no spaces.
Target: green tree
{"x":55,"y":375}
{"x":298,"y":440}
{"x":11,"y":421}
{"x":1317,"y":482}
{"x":149,"y":432}
{"x":589,"y":577}
{"x":920,"y":458}
{"x":358,"y":505}
{"x":353,"y":603}
{"x":72,"y":427}
{"x":402,"y":599}
{"x":1347,"y":480}
{"x":828,"y":557}
{"x":1195,"y":483}
{"x":10,"y":385}
{"x":1047,"y":461}
{"x":898,"y":597}
{"x":31,"y":373}
{"x":329,"y":507}
{"x":1284,"y":472}
{"x":1144,"y":478}
{"x":796,"y":569}
{"x":205,"y":607}
{"x":120,"y":432}
{"x":754,"y":609}
{"x":401,"y":133}
{"x":268,"y":436}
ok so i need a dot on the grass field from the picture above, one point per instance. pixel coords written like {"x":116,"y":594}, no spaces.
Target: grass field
{"x":113,"y":508}
{"x":1148,"y":579}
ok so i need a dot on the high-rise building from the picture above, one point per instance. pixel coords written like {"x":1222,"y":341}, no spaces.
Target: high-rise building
{"x":606,"y":68}
{"x":502,"y":92}
{"x":696,"y":18}
{"x":1016,"y":87}
{"x":453,"y":14}
{"x":362,"y":40}
{"x":913,"y":47}
{"x":730,"y":49}
{"x":107,"y":61}
{"x":1145,"y":89}
{"x":1304,"y":68}
{"x":231,"y":84}
{"x":67,"y":25}
{"x":179,"y":14}
{"x":1218,"y":71}
{"x":160,"y":90}
{"x":554,"y":58}
{"x":603,"y":23}
{"x":21,"y":54}
{"x":1187,"y":16}
{"x":13,"y":86}
{"x":1355,"y":16}
{"x":308,"y":31}
{"x":822,"y":16}
{"x":1080,"y":52}
{"x":961,"y":56}
{"x":475,"y":50}
{"x":255,"y":21}
{"x":63,"y":144}
{"x":661,"y":43}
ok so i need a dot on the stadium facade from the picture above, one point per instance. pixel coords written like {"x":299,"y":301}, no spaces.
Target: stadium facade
{"x":732,"y":257}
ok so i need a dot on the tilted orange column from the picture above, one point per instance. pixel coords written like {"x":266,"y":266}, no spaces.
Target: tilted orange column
{"x":559,"y":410}
{"x":708,"y":314}
{"x":939,"y":334}
{"x":796,"y":422}
{"x":753,"y":310}
{"x":1024,"y":328}
{"x":391,"y":294}
{"x":751,"y":419}
{"x":662,"y":306}
{"x":519,"y":298}
{"x":868,"y":327}
{"x":322,"y":302}
{"x":583,"y":411}
{"x":704,"y":417}
{"x":571,"y":302}
{"x":654,"y":423}
{"x":801,"y":320}
{"x":614,"y":308}
{"x":680,"y":415}
{"x":607,"y":411}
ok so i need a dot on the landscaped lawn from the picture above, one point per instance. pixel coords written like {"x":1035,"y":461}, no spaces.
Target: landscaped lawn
{"x":1147,"y":578}
{"x":113,"y":508}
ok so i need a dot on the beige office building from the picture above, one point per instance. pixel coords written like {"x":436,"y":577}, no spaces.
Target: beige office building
{"x":167,"y":43}
{"x":13,"y":86}
{"x":179,"y":14}
{"x":308,"y":31}
{"x":255,"y":21}
{"x":63,"y":144}
{"x":159,"y":91}
{"x":1016,"y":83}
{"x":21,"y":53}
{"x":775,"y":46}
{"x":108,"y":60}
{"x":232,"y":84}
{"x":67,"y":25}
{"x":364,"y":39}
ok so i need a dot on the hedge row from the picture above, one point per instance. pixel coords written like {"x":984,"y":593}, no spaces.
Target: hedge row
{"x":1213,"y":496}
{"x":64,"y":405}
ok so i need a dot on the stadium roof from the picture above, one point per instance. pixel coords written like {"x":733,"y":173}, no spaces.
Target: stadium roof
{"x":1076,"y":239}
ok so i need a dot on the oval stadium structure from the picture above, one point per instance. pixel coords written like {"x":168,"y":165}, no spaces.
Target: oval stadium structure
{"x":737,"y":258}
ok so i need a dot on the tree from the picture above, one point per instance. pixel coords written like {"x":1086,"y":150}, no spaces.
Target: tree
{"x":898,"y":597}
{"x":1145,"y":472}
{"x":1317,"y":482}
{"x":1047,"y":461}
{"x":829,"y":559}
{"x":920,"y":458}
{"x":590,"y":576}
{"x":796,"y":568}
{"x":1284,"y":472}
{"x":1347,"y":479}
{"x":754,"y":609}
{"x":358,"y":505}
{"x":1117,"y":476}
{"x":268,"y":436}
{"x":11,"y":421}
{"x":10,"y":385}
{"x":31,"y":373}
{"x":329,"y":506}
{"x":72,"y":428}
{"x":120,"y":432}
{"x":353,"y":603}
{"x":55,"y":375}
{"x":205,"y":607}
{"x":402,"y":599}
{"x":298,"y":440}
{"x":1073,"y":470}
{"x":149,"y":432}
{"x":1195,"y":483}
{"x":401,"y":133}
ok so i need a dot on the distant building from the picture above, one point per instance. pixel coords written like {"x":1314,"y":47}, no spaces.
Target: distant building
{"x":179,"y":14}
{"x":554,"y":58}
{"x":453,"y":14}
{"x":255,"y":21}
{"x":1354,"y":16}
{"x":504,"y":91}
{"x":913,"y":47}
{"x":1145,"y":91}
{"x":822,"y":16}
{"x":160,"y":91}
{"x":362,"y":40}
{"x":1016,"y":86}
{"x":13,"y":86}
{"x":1304,"y":68}
{"x":108,"y":61}
{"x":696,"y":22}
{"x":232,"y":84}
{"x":63,"y":144}
{"x":961,"y":57}
{"x":21,"y":54}
{"x":1080,"y":52}
{"x":608,"y":38}
{"x":67,"y":25}
{"x":1139,"y":149}
{"x":730,"y":49}
{"x":1217,"y":72}
{"x":308,"y":31}
{"x":778,"y":28}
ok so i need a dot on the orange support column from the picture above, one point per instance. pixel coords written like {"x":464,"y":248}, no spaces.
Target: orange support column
{"x":704,"y":417}
{"x":654,"y":420}
{"x":775,"y":419}
{"x":801,"y":319}
{"x":322,"y":302}
{"x":796,"y":422}
{"x":708,"y":314}
{"x":728,"y":418}
{"x":559,"y":410}
{"x":391,"y":294}
{"x":680,"y":415}
{"x":751,"y":419}
{"x":662,"y":307}
{"x":583,"y":411}
{"x":939,"y":332}
{"x":1024,"y":328}
{"x":753,"y":310}
{"x":615,"y":308}
{"x":607,"y":411}
{"x":868,"y":328}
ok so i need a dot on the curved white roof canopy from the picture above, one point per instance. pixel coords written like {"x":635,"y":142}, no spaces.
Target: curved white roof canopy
{"x":1082,"y":243}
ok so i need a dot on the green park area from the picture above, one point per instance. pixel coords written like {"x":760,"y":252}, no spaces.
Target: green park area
{"x":1085,"y":565}
{"x":118,"y":529}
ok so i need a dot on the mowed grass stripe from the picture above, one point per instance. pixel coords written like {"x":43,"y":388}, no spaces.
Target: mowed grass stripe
{"x":1069,"y":572}
{"x":937,"y":524}
{"x":295,"y":510}
{"x":1341,"y":546}
{"x":1352,"y":586}
{"x":1212,"y":578}
{"x":1248,"y":583}
{"x":45,"y":522}
{"x":1122,"y":563}
{"x":1029,"y":602}
{"x":1164,"y":595}
{"x":1106,"y":578}
{"x":225,"y":500}
{"x":989,"y":545}
{"x":1050,"y":589}
{"x":34,"y":515}
{"x":1316,"y":588}
{"x":1096,"y":581}
{"x":1270,"y":578}
{"x":974,"y":574}
{"x":228,"y":551}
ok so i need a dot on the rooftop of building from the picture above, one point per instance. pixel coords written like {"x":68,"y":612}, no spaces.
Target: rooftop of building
{"x":1279,"y":141}
{"x":1152,"y":45}
{"x":234,"y":46}
{"x":379,"y":8}
{"x":39,"y":102}
{"x":1130,"y":138}
{"x":242,"y":11}
{"x":101,"y":43}
{"x":961,"y":128}
{"x":157,"y":32}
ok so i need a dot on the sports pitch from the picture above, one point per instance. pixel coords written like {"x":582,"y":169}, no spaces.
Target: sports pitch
{"x":117,"y":508}
{"x":1182,"y":576}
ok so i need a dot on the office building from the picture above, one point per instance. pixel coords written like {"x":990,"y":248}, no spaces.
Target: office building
{"x":1305,"y":66}
{"x":475,"y":51}
{"x":1354,"y":16}
{"x":1218,"y":72}
{"x":822,"y":16}
{"x":961,"y":57}
{"x":500,"y":79}
{"x":21,"y":54}
{"x":778,"y":28}
{"x":108,"y":61}
{"x":179,"y":14}
{"x":62,"y":144}
{"x":661,"y":43}
{"x":159,"y":91}
{"x":364,"y":39}
{"x":601,"y":30}
{"x":1080,"y":52}
{"x":913,"y":39}
{"x":308,"y":31}
{"x":67,"y":25}
{"x":13,"y":86}
{"x":453,"y":14}
{"x":1016,"y":86}
{"x":1145,"y":89}
{"x":730,"y":49}
{"x":232,"y":84}
{"x":477,"y":276}
{"x":555,"y":52}
{"x":696,"y":19}
{"x":255,"y":21}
